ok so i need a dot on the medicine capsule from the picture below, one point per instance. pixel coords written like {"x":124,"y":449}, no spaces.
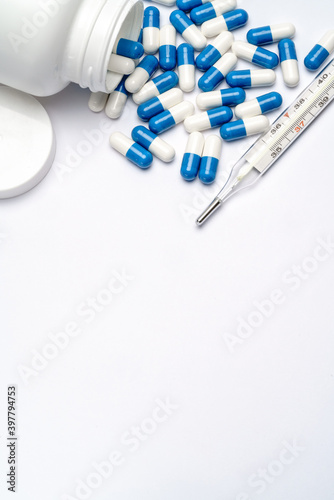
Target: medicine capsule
{"x":167,"y":50}
{"x":214,"y":51}
{"x":260,"y":105}
{"x":244,"y":128}
{"x":248,"y":78}
{"x":256,"y":55}
{"x":227,"y":22}
{"x":120,"y":64}
{"x":151,"y":30}
{"x":216,"y":74}
{"x":224,"y":97}
{"x":289,"y":62}
{"x":187,"y":5}
{"x":157,"y":105}
{"x":97,"y":101}
{"x":188,"y":30}
{"x":210,"y":159}
{"x":212,"y":9}
{"x":117,"y":101}
{"x":208,"y":119}
{"x":131,"y":150}
{"x":192,"y":156}
{"x":169,"y":118}
{"x":128,"y":48}
{"x":320,"y":51}
{"x":271,"y":34}
{"x":159,"y":85}
{"x":159,"y":148}
{"x":143,"y":72}
{"x":186,"y":67}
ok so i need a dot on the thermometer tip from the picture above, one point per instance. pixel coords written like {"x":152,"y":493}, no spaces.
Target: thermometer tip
{"x":208,"y":211}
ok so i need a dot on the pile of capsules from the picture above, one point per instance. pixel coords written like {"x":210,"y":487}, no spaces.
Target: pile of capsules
{"x":161,"y":104}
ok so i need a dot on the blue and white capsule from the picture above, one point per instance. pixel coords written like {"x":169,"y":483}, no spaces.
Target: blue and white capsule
{"x":131,"y":150}
{"x":211,"y":10}
{"x":214,"y":51}
{"x":186,"y":67}
{"x":217,"y":73}
{"x":192,"y":156}
{"x":289,"y":62}
{"x":208,"y":119}
{"x":188,"y":30}
{"x":151,"y":30}
{"x":143,"y":72}
{"x":256,"y":55}
{"x":244,"y":128}
{"x":188,"y":5}
{"x":248,"y":78}
{"x":167,"y":50}
{"x":158,"y":85}
{"x":270,"y":34}
{"x":320,"y":52}
{"x":128,"y":48}
{"x":223,"y":97}
{"x":171,"y":117}
{"x":159,"y":104}
{"x":148,"y":140}
{"x":259,"y":106}
{"x":210,"y":159}
{"x":227,"y":22}
{"x":117,"y":101}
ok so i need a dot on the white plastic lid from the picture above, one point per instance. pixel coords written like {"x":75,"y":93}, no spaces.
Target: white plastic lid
{"x":27,"y":142}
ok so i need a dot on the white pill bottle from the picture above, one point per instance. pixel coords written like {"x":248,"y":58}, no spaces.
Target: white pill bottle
{"x":47,"y":44}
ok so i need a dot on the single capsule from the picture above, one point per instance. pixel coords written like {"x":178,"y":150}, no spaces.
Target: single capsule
{"x":243,"y":128}
{"x":171,"y":117}
{"x":259,"y":106}
{"x":224,"y":97}
{"x":167,"y":50}
{"x":192,"y":156}
{"x":208,"y":119}
{"x":143,"y":72}
{"x":210,"y":159}
{"x":212,"y":9}
{"x":117,"y":101}
{"x":215,"y":75}
{"x":112,"y":80}
{"x":151,"y":30}
{"x":289,"y":62}
{"x":188,"y":30}
{"x":159,"y":148}
{"x":256,"y":55}
{"x":271,"y":34}
{"x":186,"y":67}
{"x":320,"y":51}
{"x":214,"y":51}
{"x":120,"y":64}
{"x":159,"y":85}
{"x":158,"y":104}
{"x":128,"y":48}
{"x":227,"y":22}
{"x":248,"y":78}
{"x":168,"y":3}
{"x":97,"y":101}
{"x":187,"y":5}
{"x":128,"y":148}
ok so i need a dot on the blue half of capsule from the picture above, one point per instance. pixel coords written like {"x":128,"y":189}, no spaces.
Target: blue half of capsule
{"x":151,"y":108}
{"x":241,"y":78}
{"x":149,"y":64}
{"x":265,"y":58}
{"x":162,"y":122}
{"x":128,"y":48}
{"x":287,"y":50}
{"x":167,"y":57}
{"x":232,"y":97}
{"x":210,"y":80}
{"x":190,"y":166}
{"x":207,"y":58}
{"x":151,"y":17}
{"x":185,"y":54}
{"x":316,"y":57}
{"x":180,"y":21}
{"x":269,"y":101}
{"x":235,"y":19}
{"x":143,"y":136}
{"x":139,"y":156}
{"x":218,"y":116}
{"x":260,"y":36}
{"x":187,"y":5}
{"x":234,"y":130}
{"x":203,"y":13}
{"x":166,"y":81}
{"x":208,"y":169}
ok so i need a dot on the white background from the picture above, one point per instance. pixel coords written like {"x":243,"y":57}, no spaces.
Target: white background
{"x":164,"y":335}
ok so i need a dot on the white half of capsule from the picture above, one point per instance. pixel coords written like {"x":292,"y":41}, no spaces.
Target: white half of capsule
{"x":181,"y":111}
{"x":327,"y":41}
{"x":256,"y":124}
{"x":120,"y":64}
{"x":187,"y":80}
{"x":283,"y":30}
{"x":97,"y":101}
{"x":162,"y":150}
{"x":223,"y":6}
{"x":171,"y":98}
{"x":121,"y":142}
{"x":148,"y":91}
{"x":226,"y":63}
{"x":167,"y":35}
{"x":135,"y":82}
{"x":214,"y":27}
{"x":112,"y":80}
{"x":209,"y":100}
{"x":248,"y":109}
{"x":197,"y":123}
{"x":244,"y":50}
{"x":223,"y":42}
{"x":151,"y":40}
{"x":262,"y":77}
{"x":290,"y":70}
{"x":212,"y":147}
{"x":115,"y":105}
{"x":193,"y":36}
{"x":195,"y":143}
